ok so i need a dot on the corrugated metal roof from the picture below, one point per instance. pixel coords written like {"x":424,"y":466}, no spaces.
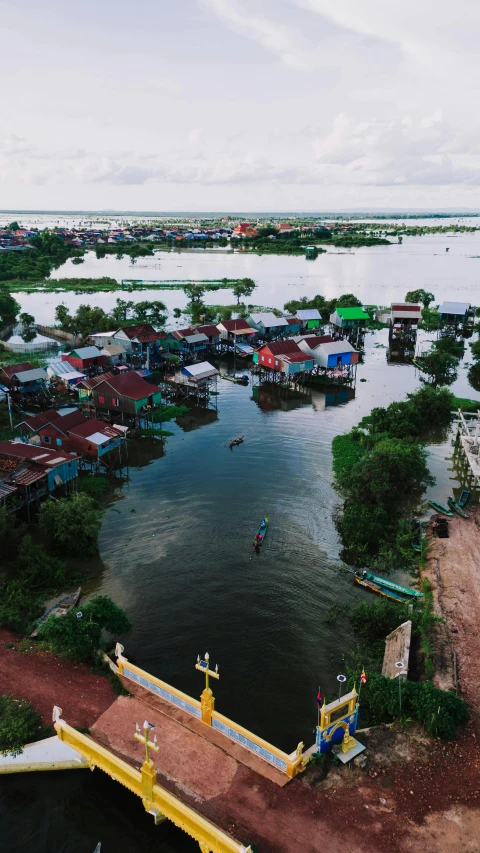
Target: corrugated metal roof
{"x":204,"y":368}
{"x":85,"y":352}
{"x":281,"y":347}
{"x":308,"y":314}
{"x":6,"y":490}
{"x":460,"y":308}
{"x":196,"y":339}
{"x":31,"y":375}
{"x":268,"y":319}
{"x":337,"y":347}
{"x":10,"y":369}
{"x":356,"y":313}
{"x":130,"y":385}
{"x":406,"y":306}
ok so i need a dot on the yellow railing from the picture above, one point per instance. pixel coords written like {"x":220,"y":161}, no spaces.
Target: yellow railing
{"x":156,"y":800}
{"x":291,"y":764}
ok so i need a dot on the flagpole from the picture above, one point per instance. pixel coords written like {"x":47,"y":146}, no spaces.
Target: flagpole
{"x":318,"y":710}
{"x":360,"y":688}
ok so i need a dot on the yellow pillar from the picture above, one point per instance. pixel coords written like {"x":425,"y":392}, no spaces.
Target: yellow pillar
{"x":207,"y":705}
{"x":149,"y":779}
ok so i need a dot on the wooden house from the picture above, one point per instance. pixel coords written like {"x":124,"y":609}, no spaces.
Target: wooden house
{"x":84,"y":358}
{"x":9,"y":370}
{"x":268,"y":324}
{"x":85,"y":387}
{"x":236,"y":330}
{"x":283,"y":357}
{"x":113,"y":354}
{"x":73,"y":432}
{"x":28,"y":381}
{"x":211,"y":331}
{"x":295,"y":325}
{"x":310,"y":345}
{"x":454,"y":313}
{"x":309,"y":318}
{"x":127,"y":394}
{"x":188,"y":341}
{"x":63,"y":372}
{"x":35,"y":471}
{"x":403,"y":314}
{"x":336,"y":354}
{"x":349,"y":318}
{"x":139,"y":339}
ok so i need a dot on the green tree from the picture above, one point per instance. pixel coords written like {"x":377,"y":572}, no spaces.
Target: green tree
{"x":72,"y":525}
{"x":177,"y":313}
{"x":78,"y":634}
{"x":9,"y":306}
{"x":440,"y":367}
{"x":196,"y":292}
{"x":150,"y":312}
{"x":14,"y":226}
{"x":475,"y":350}
{"x":420,"y":295}
{"x":348,"y":300}
{"x":19,"y":725}
{"x":121,"y":313}
{"x":245,"y":288}
{"x":63,"y":318}
{"x":26,"y":319}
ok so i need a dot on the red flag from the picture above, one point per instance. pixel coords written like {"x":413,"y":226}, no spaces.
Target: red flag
{"x":363,"y":677}
{"x":319,"y":697}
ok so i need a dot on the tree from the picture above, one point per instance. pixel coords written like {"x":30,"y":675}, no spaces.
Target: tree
{"x":177,"y":313}
{"x":150,"y":312}
{"x":9,"y":307}
{"x":475,"y":350}
{"x":63,"y":317}
{"x":19,"y":725}
{"x":440,"y":367}
{"x":78,"y":634}
{"x":26,"y":319}
{"x":72,"y":525}
{"x":120,"y":314}
{"x":14,"y":226}
{"x":348,"y":300}
{"x":420,"y":295}
{"x":195,"y":291}
{"x":245,"y":287}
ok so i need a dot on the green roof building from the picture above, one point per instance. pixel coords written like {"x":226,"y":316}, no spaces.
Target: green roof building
{"x":349,"y":318}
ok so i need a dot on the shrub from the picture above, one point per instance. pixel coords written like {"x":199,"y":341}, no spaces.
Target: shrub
{"x":72,"y":525}
{"x":77,"y":637}
{"x":19,"y":724}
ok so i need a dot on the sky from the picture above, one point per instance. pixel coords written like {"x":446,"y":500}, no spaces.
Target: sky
{"x":256,"y":105}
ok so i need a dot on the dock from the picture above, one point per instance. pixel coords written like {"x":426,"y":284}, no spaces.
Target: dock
{"x":467,"y":445}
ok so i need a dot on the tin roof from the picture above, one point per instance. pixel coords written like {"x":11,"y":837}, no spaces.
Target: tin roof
{"x":85,"y":352}
{"x":129,"y":384}
{"x":459,"y":308}
{"x":143,"y":332}
{"x":196,"y":339}
{"x":11,"y":451}
{"x":406,"y":306}
{"x":281,"y":347}
{"x":201,"y":370}
{"x":211,"y":331}
{"x":30,"y":375}
{"x":356,"y":313}
{"x":89,"y":384}
{"x":10,"y":369}
{"x":308,"y":314}
{"x":337,"y":347}
{"x":268,"y":319}
{"x":238,"y":326}
{"x":296,"y":358}
{"x":314,"y":341}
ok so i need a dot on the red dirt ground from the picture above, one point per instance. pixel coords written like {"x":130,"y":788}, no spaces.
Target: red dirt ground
{"x":45,"y":681}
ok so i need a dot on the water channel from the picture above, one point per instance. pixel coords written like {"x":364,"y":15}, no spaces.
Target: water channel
{"x":176,"y":543}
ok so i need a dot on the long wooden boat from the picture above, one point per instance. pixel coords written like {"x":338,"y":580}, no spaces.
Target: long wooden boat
{"x":59,"y":609}
{"x":380,"y":590}
{"x":239,"y":380}
{"x":388,"y":584}
{"x":261,"y":533}
{"x":441,"y":508}
{"x":464,"y":497}
{"x":239,"y":440}
{"x":417,"y":364}
{"x":457,"y":508}
{"x":417,"y":546}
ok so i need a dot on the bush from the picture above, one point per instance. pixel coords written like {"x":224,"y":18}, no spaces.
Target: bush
{"x":72,"y":525}
{"x":78,"y":637}
{"x":19,"y":725}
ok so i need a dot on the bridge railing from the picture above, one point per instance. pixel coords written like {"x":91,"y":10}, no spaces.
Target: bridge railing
{"x":156,"y":800}
{"x":290,"y":764}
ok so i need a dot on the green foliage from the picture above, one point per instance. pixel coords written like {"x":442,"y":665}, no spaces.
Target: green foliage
{"x":167,"y":413}
{"x":420,"y":295}
{"x":440,"y":367}
{"x":9,"y":306}
{"x":14,"y":226}
{"x":348,"y":300}
{"x":431,"y":319}
{"x":434,"y":406}
{"x":438,"y":711}
{"x":475,"y":350}
{"x":244,"y":287}
{"x":94,"y":485}
{"x":77,"y":637}
{"x":347,"y":449}
{"x":72,"y":525}
{"x":26,"y":319}
{"x":450,"y":346}
{"x":19,"y":725}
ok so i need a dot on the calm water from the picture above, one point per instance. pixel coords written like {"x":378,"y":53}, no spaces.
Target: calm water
{"x":177,"y":553}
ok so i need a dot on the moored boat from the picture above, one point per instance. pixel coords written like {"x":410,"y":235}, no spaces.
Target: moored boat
{"x":388,"y":584}
{"x":380,"y":590}
{"x":239,"y":440}
{"x":261,"y":533}
{"x":464,"y":496}
{"x":238,"y":380}
{"x":457,"y":508}
{"x":440,"y":508}
{"x":59,"y":609}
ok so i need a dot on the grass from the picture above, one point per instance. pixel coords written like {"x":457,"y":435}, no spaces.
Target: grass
{"x":106,"y":284}
{"x":167,"y":413}
{"x":466,"y":405}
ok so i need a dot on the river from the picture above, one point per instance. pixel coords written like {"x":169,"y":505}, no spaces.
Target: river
{"x":176,"y":545}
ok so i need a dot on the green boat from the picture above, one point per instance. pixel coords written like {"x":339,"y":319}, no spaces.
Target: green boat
{"x":440,"y":508}
{"x":261,"y":533}
{"x":417,"y":546}
{"x":380,"y":590}
{"x":396,"y":587}
{"x":457,"y":508}
{"x":464,"y":497}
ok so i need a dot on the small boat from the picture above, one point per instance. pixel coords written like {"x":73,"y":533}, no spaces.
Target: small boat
{"x":464,"y":497}
{"x":417,"y":546}
{"x":239,"y":380}
{"x":59,"y":609}
{"x":387,"y":584}
{"x":440,"y":508}
{"x":457,"y":508}
{"x":417,"y":364}
{"x":261,"y":533}
{"x":239,"y":440}
{"x":380,"y":590}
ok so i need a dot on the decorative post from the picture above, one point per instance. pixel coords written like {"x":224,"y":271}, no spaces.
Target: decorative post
{"x":149,"y":774}
{"x":400,"y":665}
{"x":207,"y":697}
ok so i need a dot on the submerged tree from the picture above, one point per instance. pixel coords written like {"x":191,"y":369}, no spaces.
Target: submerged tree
{"x":243,"y":288}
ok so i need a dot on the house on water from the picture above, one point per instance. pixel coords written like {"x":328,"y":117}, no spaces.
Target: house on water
{"x":211,"y":331}
{"x":35,"y":471}
{"x":140,"y":339}
{"x":188,"y":341}
{"x":126,"y":394}
{"x":84,"y":358}
{"x":63,"y":372}
{"x":349,"y":318}
{"x":283,"y":357}
{"x":454,"y":313}
{"x":28,"y":381}
{"x":73,"y":432}
{"x":405,"y":314}
{"x":267,"y":324}
{"x":10,"y":370}
{"x":236,"y":330}
{"x":309,"y":318}
{"x":331,"y":354}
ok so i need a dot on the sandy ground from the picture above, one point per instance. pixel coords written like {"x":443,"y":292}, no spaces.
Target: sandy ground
{"x":47,"y":681}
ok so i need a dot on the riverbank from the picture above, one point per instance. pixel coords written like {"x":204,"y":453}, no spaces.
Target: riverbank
{"x":45,"y":680}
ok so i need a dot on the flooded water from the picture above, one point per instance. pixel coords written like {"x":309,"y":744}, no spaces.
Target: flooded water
{"x":176,"y":546}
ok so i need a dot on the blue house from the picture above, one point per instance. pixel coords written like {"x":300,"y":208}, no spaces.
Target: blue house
{"x":29,"y":381}
{"x":188,"y":341}
{"x":35,"y":471}
{"x":454,"y":313}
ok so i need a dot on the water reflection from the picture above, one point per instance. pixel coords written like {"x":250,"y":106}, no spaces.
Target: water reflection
{"x":196,"y":417}
{"x":271,"y":397}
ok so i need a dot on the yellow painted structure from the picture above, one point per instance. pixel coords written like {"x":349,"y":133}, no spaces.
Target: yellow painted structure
{"x":291,"y":764}
{"x":156,"y":800}
{"x":338,"y":721}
